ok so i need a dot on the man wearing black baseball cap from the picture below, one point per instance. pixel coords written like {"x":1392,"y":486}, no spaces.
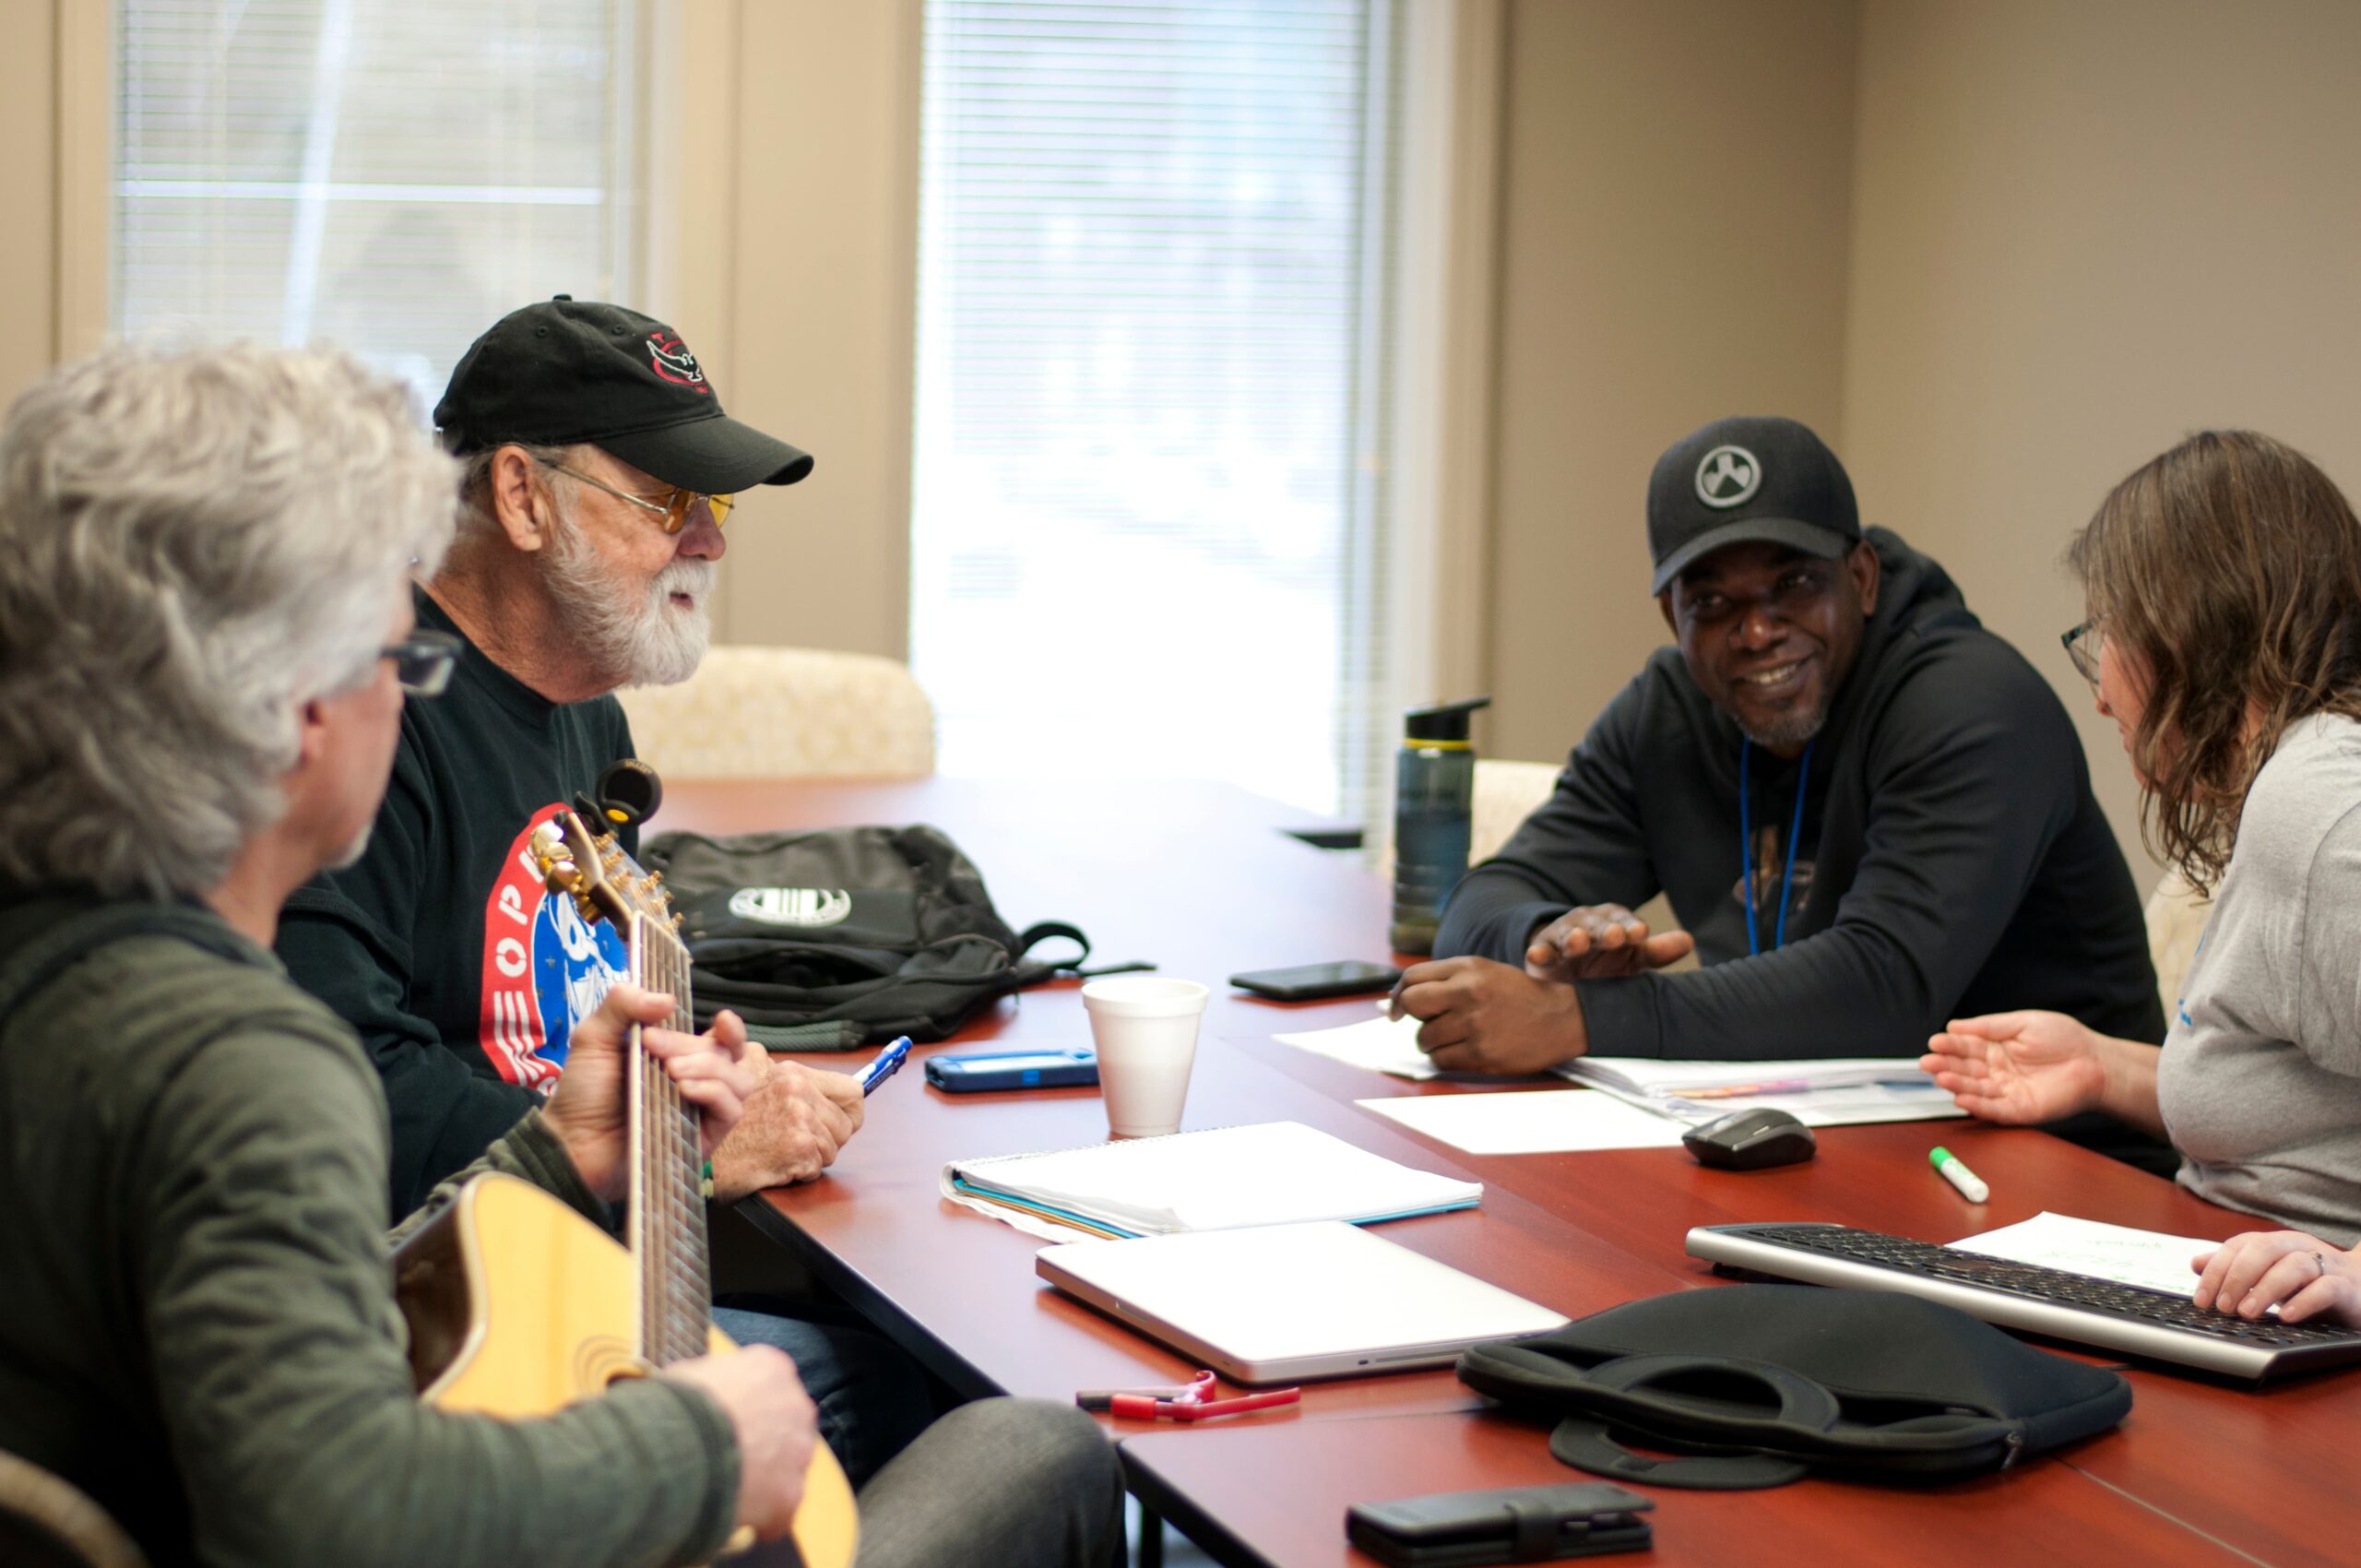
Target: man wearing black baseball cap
{"x":1869,"y":814}
{"x":573,"y":371}
{"x":597,"y":470}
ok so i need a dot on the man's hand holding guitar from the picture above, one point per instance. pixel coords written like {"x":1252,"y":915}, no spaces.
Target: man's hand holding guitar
{"x":718,"y":1073}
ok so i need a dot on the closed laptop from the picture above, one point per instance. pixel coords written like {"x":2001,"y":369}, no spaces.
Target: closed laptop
{"x":1282,"y":1303}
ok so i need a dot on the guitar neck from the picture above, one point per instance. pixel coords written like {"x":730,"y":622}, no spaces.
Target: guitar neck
{"x":666,"y":1229}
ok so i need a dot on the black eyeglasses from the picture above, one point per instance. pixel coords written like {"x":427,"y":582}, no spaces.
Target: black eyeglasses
{"x":2082,"y":645}
{"x":423,"y":662}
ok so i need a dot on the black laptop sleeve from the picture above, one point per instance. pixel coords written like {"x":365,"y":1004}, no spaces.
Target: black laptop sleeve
{"x":1755,"y":1385}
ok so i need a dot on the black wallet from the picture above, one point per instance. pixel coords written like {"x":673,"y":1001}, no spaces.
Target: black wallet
{"x":1527,"y":1524}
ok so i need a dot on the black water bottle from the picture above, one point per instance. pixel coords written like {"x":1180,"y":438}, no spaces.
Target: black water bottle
{"x":1434,"y":793}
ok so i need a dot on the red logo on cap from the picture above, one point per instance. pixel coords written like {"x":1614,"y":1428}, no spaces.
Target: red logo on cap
{"x":672,"y":360}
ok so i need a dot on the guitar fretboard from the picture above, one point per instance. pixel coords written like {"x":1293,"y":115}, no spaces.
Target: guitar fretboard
{"x":668,"y":1231}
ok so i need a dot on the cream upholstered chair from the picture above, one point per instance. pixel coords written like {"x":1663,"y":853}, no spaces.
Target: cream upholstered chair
{"x":1508,"y":793}
{"x":2176,"y":920}
{"x":786,"y":713}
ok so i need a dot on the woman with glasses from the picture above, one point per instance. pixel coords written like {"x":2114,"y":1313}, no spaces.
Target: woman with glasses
{"x":2223,"y":583}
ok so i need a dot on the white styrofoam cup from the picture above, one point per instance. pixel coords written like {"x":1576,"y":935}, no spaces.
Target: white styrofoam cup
{"x":1145,"y":1031}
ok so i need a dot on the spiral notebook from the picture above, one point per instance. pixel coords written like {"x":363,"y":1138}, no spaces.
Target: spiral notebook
{"x":1221,"y":1179}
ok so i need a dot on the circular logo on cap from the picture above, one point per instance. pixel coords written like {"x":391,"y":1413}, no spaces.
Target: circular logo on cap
{"x":1728,"y":476}
{"x":791,"y":906}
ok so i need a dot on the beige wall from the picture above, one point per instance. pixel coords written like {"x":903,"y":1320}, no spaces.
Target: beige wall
{"x":2081,"y":230}
{"x":784,"y":185}
{"x":1675,"y":217}
{"x":27,"y":190}
{"x":1999,"y":251}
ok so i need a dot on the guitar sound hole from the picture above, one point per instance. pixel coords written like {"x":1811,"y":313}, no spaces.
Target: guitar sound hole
{"x":600,"y":1360}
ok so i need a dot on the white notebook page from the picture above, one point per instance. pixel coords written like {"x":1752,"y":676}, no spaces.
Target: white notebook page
{"x":1268,"y":1173}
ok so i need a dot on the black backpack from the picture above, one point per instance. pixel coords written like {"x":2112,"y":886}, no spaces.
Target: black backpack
{"x":832,"y":939}
{"x":1763,"y":1383}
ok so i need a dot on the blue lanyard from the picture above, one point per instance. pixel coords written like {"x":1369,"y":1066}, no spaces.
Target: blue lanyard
{"x":1746,"y":846}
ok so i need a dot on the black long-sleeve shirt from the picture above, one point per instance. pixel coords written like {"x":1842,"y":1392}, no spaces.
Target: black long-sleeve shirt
{"x":440,"y":946}
{"x":1952,"y":859}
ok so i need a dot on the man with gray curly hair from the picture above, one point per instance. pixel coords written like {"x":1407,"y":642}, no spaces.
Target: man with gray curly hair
{"x":205,"y":639}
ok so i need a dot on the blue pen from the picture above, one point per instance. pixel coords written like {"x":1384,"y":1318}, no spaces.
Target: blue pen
{"x":889,"y":1062}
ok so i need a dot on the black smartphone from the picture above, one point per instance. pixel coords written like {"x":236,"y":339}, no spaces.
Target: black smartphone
{"x":1306,"y":982}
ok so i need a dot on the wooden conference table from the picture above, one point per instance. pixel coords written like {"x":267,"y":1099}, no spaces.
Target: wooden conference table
{"x":1203,"y":880}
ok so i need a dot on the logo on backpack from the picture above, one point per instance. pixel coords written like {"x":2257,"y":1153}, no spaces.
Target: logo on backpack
{"x":791,"y":906}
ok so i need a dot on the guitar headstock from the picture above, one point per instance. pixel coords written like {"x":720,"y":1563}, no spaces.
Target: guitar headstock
{"x":593,"y":869}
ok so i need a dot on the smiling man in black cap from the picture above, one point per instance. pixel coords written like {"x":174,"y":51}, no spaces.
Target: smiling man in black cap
{"x":599,"y":468}
{"x":1869,"y":814}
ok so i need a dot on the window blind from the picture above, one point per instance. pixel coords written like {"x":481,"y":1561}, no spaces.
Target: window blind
{"x":392,"y":174}
{"x":1144,"y":517}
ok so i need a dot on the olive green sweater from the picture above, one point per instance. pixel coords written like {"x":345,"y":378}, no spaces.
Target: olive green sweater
{"x":196,"y":1315}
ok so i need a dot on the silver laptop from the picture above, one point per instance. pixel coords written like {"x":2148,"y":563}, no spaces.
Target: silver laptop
{"x":1280,"y":1303}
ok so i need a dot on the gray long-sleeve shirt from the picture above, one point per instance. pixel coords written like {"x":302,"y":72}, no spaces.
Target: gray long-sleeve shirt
{"x":2260,"y":1078}
{"x":196,"y":1315}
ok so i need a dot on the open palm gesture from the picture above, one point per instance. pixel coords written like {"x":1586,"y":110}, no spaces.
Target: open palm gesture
{"x":2018,"y":1067}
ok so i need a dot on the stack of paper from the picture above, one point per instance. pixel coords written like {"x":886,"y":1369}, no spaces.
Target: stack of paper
{"x":1829,"y":1092}
{"x":1271,"y":1174}
{"x":1380,"y":1044}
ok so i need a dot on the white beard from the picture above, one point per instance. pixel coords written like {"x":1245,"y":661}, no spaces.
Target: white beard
{"x":351,"y":853}
{"x":646,"y":641}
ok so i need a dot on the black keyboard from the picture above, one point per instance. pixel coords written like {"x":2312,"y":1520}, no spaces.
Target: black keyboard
{"x":2026,"y":1296}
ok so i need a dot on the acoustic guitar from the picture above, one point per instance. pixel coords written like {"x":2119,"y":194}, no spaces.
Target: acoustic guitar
{"x":518,"y":1306}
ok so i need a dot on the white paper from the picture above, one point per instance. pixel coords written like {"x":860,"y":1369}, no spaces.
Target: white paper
{"x":1381,"y":1045}
{"x":1268,"y":1173}
{"x":1855,"y":1107}
{"x":2149,"y":1259}
{"x":1031,"y":1224}
{"x":1646,"y":1075}
{"x":1855,"y":1091}
{"x":1847,"y":1092}
{"x":1530,"y":1122}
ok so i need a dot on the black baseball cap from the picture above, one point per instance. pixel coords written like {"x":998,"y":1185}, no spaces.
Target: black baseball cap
{"x":576,"y":370}
{"x":1738,"y":481}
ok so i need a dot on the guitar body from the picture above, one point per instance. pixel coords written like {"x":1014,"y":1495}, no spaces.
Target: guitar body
{"x":519,"y":1307}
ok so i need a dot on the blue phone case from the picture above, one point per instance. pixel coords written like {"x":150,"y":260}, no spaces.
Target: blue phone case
{"x":978,"y":1071}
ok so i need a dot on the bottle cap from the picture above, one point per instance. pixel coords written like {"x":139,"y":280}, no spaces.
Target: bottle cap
{"x":1447,"y":721}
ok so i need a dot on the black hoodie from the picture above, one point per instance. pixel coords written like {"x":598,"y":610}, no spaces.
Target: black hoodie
{"x":1952,"y":860}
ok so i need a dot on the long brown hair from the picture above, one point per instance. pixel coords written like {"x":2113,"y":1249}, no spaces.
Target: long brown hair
{"x":2229,"y":571}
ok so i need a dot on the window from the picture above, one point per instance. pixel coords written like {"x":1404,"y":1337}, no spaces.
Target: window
{"x":392,"y":174}
{"x":1145,"y":532}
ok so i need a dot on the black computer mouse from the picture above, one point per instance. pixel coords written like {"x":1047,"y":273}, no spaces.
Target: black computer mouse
{"x":1750,"y":1140}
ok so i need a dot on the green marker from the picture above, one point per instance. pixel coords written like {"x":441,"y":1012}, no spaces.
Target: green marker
{"x":1953,"y":1170}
